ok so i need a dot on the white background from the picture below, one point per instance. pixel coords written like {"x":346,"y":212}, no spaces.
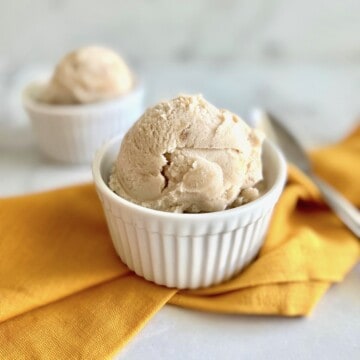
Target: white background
{"x":188,"y":30}
{"x":300,"y":59}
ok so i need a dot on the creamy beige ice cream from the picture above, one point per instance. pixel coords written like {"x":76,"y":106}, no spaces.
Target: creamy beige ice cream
{"x":88,"y":75}
{"x":186,"y":155}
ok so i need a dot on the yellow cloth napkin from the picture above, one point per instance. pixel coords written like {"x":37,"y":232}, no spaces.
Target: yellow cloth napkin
{"x":64,"y":294}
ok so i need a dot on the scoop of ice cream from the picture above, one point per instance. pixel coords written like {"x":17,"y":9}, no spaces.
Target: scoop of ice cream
{"x":87,"y":75}
{"x":186,"y":155}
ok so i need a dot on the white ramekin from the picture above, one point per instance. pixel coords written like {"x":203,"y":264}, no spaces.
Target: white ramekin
{"x":187,"y":250}
{"x":73,"y":133}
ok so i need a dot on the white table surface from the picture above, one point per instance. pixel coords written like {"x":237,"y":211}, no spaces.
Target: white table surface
{"x":318,"y":102}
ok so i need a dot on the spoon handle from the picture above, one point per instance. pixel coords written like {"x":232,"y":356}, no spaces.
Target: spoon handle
{"x":346,"y":211}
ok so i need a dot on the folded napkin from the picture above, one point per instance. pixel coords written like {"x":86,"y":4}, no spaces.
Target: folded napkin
{"x":64,"y":293}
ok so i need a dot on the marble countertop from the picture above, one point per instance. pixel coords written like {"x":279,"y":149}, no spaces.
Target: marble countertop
{"x":320,"y":104}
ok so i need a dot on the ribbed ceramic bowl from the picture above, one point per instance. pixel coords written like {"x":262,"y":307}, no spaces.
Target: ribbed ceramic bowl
{"x":187,"y":250}
{"x":73,"y":133}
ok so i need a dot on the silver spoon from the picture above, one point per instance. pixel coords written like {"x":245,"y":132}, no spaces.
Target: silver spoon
{"x":296,"y":154}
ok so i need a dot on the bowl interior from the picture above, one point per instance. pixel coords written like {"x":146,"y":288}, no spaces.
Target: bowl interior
{"x":108,"y":160}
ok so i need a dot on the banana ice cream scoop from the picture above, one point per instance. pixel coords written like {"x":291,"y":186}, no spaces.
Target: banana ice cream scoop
{"x":186,"y":155}
{"x":87,"y":75}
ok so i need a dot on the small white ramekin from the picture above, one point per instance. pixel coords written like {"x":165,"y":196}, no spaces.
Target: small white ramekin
{"x":73,"y":133}
{"x":187,"y":250}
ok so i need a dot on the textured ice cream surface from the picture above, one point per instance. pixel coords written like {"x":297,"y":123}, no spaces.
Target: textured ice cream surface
{"x":186,"y":155}
{"x":87,"y":75}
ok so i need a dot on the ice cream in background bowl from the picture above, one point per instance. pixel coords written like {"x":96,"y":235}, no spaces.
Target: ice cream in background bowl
{"x":188,"y":193}
{"x":87,"y":75}
{"x":91,"y":96}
